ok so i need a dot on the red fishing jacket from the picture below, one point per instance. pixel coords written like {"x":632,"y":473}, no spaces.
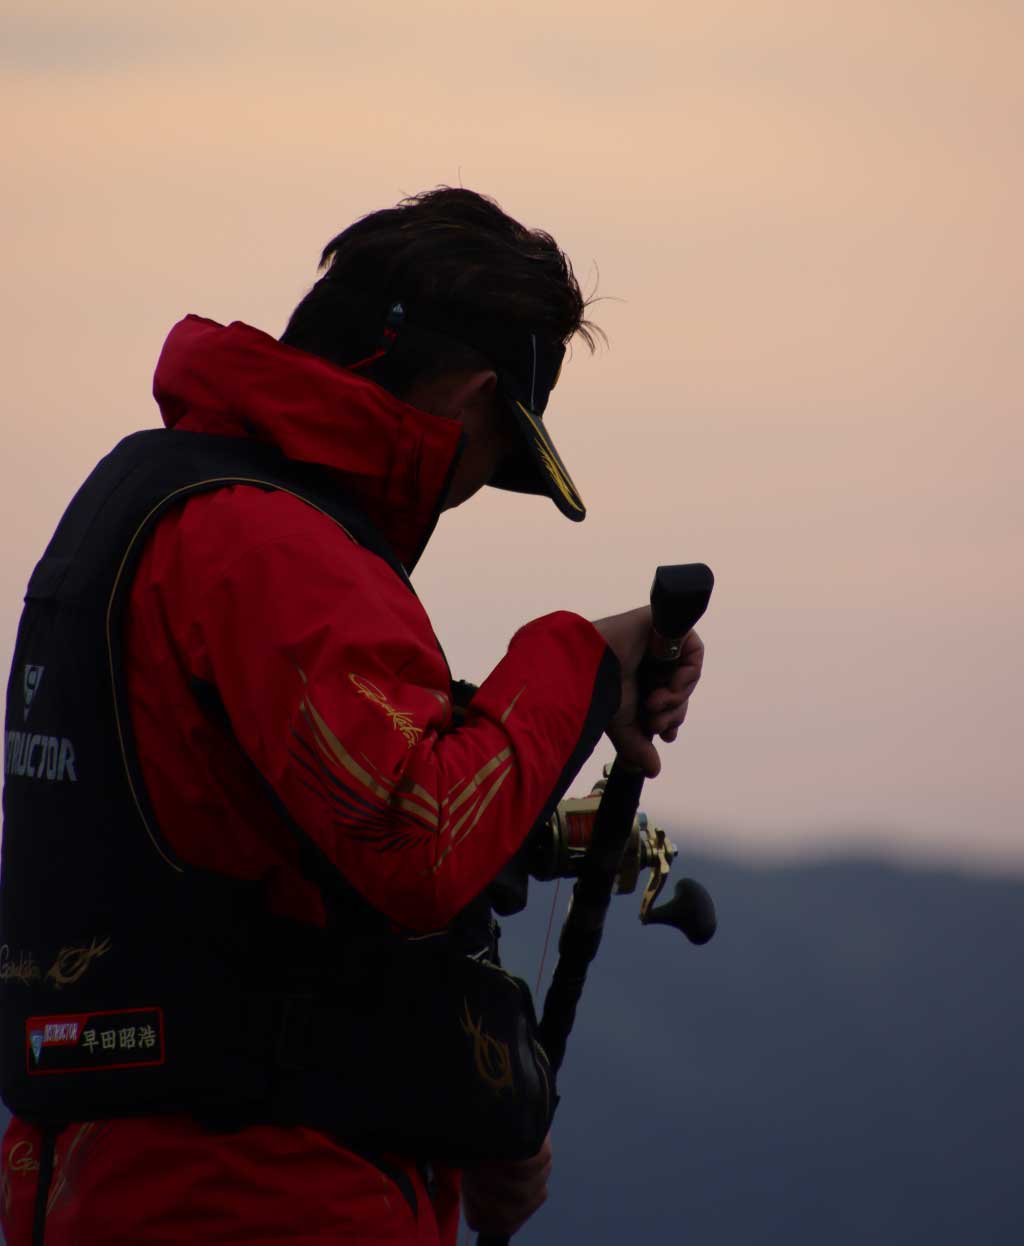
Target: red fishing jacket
{"x":317,"y":652}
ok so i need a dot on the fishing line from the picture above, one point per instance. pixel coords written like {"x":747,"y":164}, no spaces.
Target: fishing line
{"x":547,"y":939}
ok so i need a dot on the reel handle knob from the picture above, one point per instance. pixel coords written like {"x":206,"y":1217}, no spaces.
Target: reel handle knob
{"x":690,"y":910}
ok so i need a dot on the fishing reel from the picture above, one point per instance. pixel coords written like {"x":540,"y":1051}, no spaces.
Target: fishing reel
{"x":561,"y":843}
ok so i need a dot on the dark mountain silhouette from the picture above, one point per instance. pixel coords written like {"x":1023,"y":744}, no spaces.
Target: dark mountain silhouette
{"x":843,"y":1064}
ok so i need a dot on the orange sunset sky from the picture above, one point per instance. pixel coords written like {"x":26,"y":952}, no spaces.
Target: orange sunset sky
{"x":805,"y":220}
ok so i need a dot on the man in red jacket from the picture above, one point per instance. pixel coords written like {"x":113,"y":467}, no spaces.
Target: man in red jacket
{"x":415,"y":371}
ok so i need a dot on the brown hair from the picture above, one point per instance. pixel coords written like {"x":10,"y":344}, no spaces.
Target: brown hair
{"x":452,"y":258}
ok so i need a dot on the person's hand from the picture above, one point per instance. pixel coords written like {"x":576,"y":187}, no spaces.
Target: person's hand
{"x":664,"y":709}
{"x":500,"y":1198}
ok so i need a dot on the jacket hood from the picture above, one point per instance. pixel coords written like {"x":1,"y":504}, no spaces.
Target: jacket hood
{"x":392,"y":460}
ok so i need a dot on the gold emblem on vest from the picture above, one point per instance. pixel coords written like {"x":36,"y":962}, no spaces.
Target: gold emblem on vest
{"x":490,"y":1055}
{"x":72,"y":962}
{"x":23,"y":969}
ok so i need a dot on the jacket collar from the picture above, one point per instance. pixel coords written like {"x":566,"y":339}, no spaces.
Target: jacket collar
{"x":393,"y":460}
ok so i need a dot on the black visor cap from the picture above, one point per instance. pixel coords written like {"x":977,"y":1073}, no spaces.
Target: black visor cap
{"x":526,"y":384}
{"x":527,"y":368}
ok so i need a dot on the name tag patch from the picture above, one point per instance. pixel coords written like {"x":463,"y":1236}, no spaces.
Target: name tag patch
{"x":80,"y":1042}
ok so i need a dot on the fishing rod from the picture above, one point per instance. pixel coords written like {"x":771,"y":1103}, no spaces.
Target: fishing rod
{"x":679,"y":596}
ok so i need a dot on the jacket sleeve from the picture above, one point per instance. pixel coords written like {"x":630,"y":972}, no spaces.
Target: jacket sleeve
{"x":337,"y":690}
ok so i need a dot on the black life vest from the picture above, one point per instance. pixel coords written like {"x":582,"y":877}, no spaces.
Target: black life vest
{"x":131,"y":982}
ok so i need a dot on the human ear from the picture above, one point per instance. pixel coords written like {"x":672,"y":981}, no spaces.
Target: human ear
{"x":473,"y":391}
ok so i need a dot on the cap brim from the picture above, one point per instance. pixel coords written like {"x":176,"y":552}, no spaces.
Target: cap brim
{"x":539,"y":468}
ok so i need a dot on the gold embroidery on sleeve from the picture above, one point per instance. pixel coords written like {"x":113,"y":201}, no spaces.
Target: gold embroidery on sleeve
{"x":333,"y":749}
{"x":484,"y":772}
{"x":416,"y":792}
{"x":401,"y":720}
{"x":476,"y":812}
{"x":511,"y":705}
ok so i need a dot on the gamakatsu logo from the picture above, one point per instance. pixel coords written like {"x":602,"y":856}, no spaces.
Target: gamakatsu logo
{"x":47,"y":757}
{"x":31,"y":678}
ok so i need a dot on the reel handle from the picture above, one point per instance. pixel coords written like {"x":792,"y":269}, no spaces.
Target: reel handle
{"x":691,"y":910}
